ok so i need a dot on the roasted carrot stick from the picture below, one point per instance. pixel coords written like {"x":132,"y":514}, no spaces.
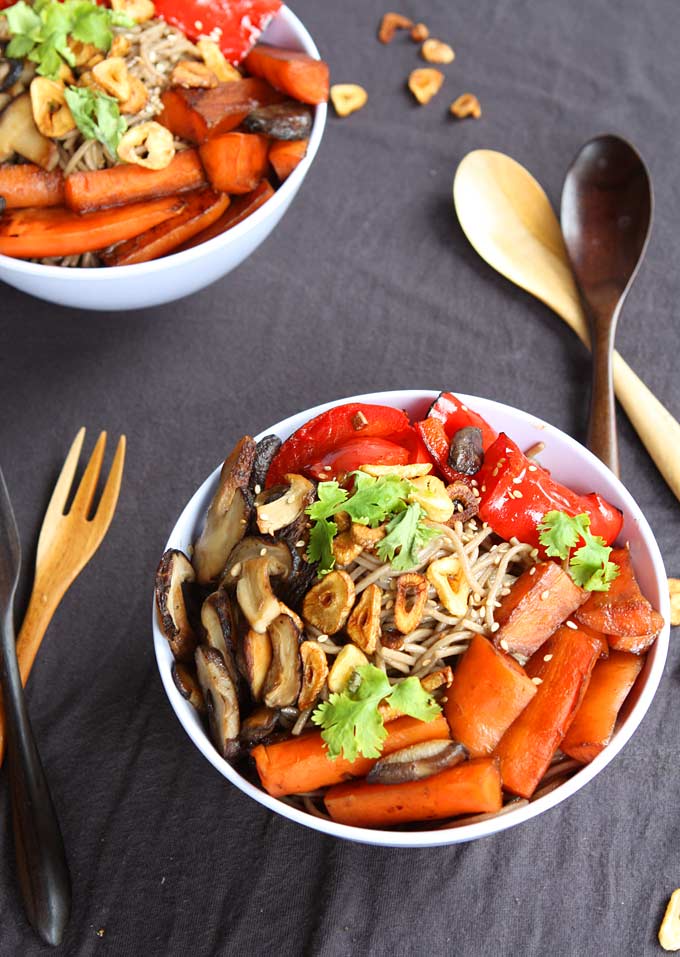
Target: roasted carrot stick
{"x":526,"y":748}
{"x":302,"y":764}
{"x":593,"y":725}
{"x":290,"y":71}
{"x":237,"y":211}
{"x":488,"y":692}
{"x":235,"y":162}
{"x":198,"y":115}
{"x":37,"y":233}
{"x":538,"y":602}
{"x":125,"y":184}
{"x":284,"y":155}
{"x":28,"y":185}
{"x":470,"y":788}
{"x":202,"y":209}
{"x":623,"y":613}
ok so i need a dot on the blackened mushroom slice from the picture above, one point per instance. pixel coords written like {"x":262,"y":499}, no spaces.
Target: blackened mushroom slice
{"x":255,"y":596}
{"x":277,"y":553}
{"x":417,"y":761}
{"x":258,"y":726}
{"x":255,"y":657}
{"x":265,"y":451}
{"x":282,"y":121}
{"x":220,"y":699}
{"x":465,"y":502}
{"x":282,"y":684}
{"x":186,"y":683}
{"x":466,"y":453}
{"x":228,"y":515}
{"x":217,"y":618}
{"x":174,"y":573}
{"x":279,"y":513}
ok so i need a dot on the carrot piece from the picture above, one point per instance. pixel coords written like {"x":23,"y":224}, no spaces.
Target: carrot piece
{"x":538,"y":602}
{"x":198,"y":115}
{"x":38,"y":233}
{"x":235,"y":162}
{"x":290,"y":71}
{"x":302,"y":764}
{"x":622,"y":612}
{"x":202,"y":209}
{"x":527,"y":747}
{"x":593,"y":725}
{"x":120,"y":185}
{"x":490,"y":690}
{"x":284,"y":155}
{"x":27,"y":185}
{"x":237,"y":211}
{"x":470,"y":788}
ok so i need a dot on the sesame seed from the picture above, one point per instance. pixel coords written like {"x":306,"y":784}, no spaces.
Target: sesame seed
{"x":444,"y":699}
{"x":477,"y":597}
{"x":300,"y":544}
{"x":483,"y":488}
{"x":198,"y":24}
{"x":532,"y":570}
{"x":534,"y":553}
{"x":533,"y":468}
{"x":504,"y":645}
{"x":570,"y":624}
{"x":322,"y":638}
{"x":547,"y":657}
{"x":426,"y":662}
{"x":537,"y":681}
{"x":464,"y":408}
{"x":263,"y":552}
{"x":495,"y":626}
{"x":244,"y":521}
{"x":517,"y":480}
{"x":545,"y":594}
{"x":518,"y":494}
{"x":236,"y":570}
{"x":497,"y":604}
{"x":474,"y":483}
{"x":290,"y":500}
{"x":257,"y":489}
{"x":327,"y":468}
{"x":475,"y":492}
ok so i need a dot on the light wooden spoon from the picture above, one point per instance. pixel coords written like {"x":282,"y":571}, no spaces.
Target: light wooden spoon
{"x":508,"y":219}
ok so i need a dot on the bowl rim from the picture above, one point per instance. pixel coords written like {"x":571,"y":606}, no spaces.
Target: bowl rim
{"x":445,"y":835}
{"x":288,"y":188}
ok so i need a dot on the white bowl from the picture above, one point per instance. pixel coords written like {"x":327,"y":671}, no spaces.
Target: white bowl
{"x":571,"y":464}
{"x":180,"y":274}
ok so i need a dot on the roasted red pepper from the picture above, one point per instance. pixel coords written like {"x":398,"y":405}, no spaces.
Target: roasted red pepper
{"x":323,"y":437}
{"x":454,"y":415}
{"x":437,"y":443}
{"x":235,"y":25}
{"x":351,"y":455}
{"x":516,"y":493}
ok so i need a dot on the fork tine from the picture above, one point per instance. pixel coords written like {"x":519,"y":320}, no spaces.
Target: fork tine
{"x":55,"y":509}
{"x":109,"y":499}
{"x":82,"y":502}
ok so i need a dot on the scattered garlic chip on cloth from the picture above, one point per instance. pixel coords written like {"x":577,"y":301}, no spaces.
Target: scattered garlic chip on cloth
{"x":669,"y":932}
{"x":348,"y":98}
{"x":425,"y":83}
{"x":674,"y":590}
{"x":434,"y":51}
{"x":467,"y":104}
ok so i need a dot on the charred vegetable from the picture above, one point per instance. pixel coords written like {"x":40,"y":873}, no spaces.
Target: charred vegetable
{"x":277,"y":553}
{"x":279,"y":507}
{"x":258,"y":726}
{"x":416,"y":762}
{"x":265,"y":450}
{"x":221,"y":700}
{"x":466,"y":454}
{"x":282,"y":684}
{"x":188,"y":686}
{"x":174,"y":573}
{"x":281,"y":121}
{"x":218,"y":620}
{"x":255,"y":596}
{"x":10,"y":72}
{"x":255,"y":657}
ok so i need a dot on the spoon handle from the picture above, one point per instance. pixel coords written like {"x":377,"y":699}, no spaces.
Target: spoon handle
{"x":602,"y":423}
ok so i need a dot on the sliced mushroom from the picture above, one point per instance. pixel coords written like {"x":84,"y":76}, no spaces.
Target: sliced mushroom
{"x":410,"y":601}
{"x":187,"y":684}
{"x":282,"y":684}
{"x":314,"y":673}
{"x":416,"y":762}
{"x":255,"y":596}
{"x":466,"y":453}
{"x":258,"y":726}
{"x":19,"y":134}
{"x":277,"y":553}
{"x":10,"y":72}
{"x":174,"y":573}
{"x":282,"y":121}
{"x":265,"y":450}
{"x":255,"y":657}
{"x":274,"y":514}
{"x":327,"y":605}
{"x":218,"y":620}
{"x":293,"y":590}
{"x":228,"y":515}
{"x":465,"y":502}
{"x":363,"y":625}
{"x":220,"y":699}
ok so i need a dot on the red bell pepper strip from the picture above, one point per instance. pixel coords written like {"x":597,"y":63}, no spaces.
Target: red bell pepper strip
{"x":334,"y":428}
{"x":351,"y":455}
{"x":516,"y":493}
{"x":235,"y":25}
{"x":437,"y":443}
{"x":448,"y":409}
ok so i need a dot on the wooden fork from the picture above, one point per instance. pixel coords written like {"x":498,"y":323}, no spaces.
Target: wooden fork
{"x":67,"y":542}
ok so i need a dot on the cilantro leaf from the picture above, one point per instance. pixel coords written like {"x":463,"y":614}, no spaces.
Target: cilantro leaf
{"x":350,"y":719}
{"x":23,"y":20}
{"x":320,"y":547}
{"x":560,"y":532}
{"x":406,"y":536}
{"x":329,"y":499}
{"x":97,"y":116}
{"x":373,"y":499}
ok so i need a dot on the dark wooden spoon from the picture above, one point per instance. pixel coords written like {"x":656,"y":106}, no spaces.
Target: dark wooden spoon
{"x":606,"y":217}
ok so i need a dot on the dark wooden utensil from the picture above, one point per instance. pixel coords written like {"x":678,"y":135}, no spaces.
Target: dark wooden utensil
{"x":606,"y":217}
{"x":40,"y":857}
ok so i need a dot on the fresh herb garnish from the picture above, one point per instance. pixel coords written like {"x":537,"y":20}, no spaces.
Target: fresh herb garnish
{"x":589,"y":565}
{"x":41,"y":31}
{"x":97,"y":116}
{"x":350,"y":719}
{"x":372,"y":502}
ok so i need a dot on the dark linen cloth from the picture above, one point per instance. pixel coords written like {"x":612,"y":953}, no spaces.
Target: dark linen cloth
{"x":367,"y":284}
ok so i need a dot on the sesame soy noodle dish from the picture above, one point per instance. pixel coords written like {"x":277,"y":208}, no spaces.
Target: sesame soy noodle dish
{"x":140,"y":128}
{"x":386,"y":623}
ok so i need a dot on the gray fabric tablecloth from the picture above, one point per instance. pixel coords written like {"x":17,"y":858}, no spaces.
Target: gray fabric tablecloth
{"x":367,"y":284}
